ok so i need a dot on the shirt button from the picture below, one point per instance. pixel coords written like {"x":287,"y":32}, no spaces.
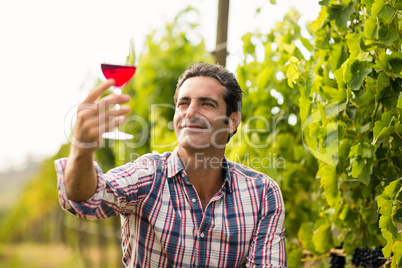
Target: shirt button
{"x":193,"y":200}
{"x":202,"y":235}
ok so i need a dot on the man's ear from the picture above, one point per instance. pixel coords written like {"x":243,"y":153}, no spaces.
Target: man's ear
{"x":234,"y":121}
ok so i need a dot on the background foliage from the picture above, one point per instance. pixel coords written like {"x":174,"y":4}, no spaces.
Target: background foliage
{"x":321,"y":115}
{"x":350,"y":112}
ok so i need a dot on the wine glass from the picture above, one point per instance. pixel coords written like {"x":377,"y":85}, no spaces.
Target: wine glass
{"x":121,"y":73}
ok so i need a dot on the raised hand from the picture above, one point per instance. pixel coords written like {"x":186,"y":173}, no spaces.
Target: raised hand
{"x":96,"y":116}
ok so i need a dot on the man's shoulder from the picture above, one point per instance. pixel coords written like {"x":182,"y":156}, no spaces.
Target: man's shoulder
{"x":247,"y":177}
{"x":241,"y":170}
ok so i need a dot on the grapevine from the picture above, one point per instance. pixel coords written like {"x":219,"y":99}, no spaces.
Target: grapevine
{"x":343,"y":155}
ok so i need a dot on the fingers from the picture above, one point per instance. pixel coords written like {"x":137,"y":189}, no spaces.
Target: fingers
{"x":98,"y":90}
{"x":115,"y":113}
{"x":93,"y":120}
{"x":95,"y":127}
{"x":111,"y":124}
{"x":111,"y":119}
{"x":88,"y":110}
{"x":96,"y":116}
{"x":109,"y":101}
{"x":105,"y":117}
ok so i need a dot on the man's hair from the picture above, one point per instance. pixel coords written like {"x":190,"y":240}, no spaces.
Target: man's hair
{"x":233,"y":94}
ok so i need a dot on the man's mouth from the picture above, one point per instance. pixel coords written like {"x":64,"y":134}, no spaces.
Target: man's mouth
{"x":193,"y":126}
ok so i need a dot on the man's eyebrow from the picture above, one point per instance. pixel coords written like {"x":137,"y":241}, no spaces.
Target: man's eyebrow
{"x":201,"y":99}
{"x":208,"y":99}
{"x":183,"y":98}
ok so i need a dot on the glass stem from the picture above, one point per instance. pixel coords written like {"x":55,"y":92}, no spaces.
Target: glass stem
{"x":117,"y":91}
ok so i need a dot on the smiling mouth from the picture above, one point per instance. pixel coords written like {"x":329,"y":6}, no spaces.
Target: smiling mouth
{"x":192,"y":126}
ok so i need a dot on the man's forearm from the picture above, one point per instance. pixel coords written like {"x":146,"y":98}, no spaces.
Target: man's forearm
{"x":80,"y":176}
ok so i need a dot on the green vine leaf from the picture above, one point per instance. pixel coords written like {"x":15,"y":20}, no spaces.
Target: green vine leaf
{"x":305,"y":107}
{"x":320,"y":22}
{"x":338,"y":54}
{"x":362,"y":169}
{"x":398,"y":5}
{"x":382,"y":83}
{"x":306,"y":43}
{"x":305,"y":236}
{"x":293,"y":72}
{"x":386,"y":203}
{"x":248,"y":46}
{"x":396,"y":214}
{"x":386,"y":225}
{"x":322,"y":238}
{"x":366,"y":99}
{"x":371,"y":29}
{"x":382,"y":62}
{"x":329,"y":181}
{"x":395,"y":62}
{"x":306,"y":84}
{"x":399,"y":105}
{"x":392,"y":191}
{"x":399,"y":109}
{"x":384,"y":11}
{"x":368,"y":4}
{"x":377,"y":7}
{"x":391,"y":64}
{"x":324,"y":2}
{"x":353,"y":41}
{"x":385,"y":127}
{"x":355,"y":73}
{"x":361,"y":161}
{"x":397,"y":258}
{"x":387,"y":35}
{"x":341,"y":14}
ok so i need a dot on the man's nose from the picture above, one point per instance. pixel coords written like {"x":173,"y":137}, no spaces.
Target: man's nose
{"x":191,"y":110}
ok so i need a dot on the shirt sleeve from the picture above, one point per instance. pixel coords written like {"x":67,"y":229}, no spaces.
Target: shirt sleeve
{"x":267,"y":247}
{"x":118,"y":192}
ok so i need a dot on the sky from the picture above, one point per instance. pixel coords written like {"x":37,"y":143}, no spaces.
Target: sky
{"x":50,"y":52}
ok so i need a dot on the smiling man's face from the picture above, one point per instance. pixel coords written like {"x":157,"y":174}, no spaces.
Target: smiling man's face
{"x":200,"y":114}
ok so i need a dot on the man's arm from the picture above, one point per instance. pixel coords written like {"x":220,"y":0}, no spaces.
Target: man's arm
{"x":93,"y":119}
{"x":267,"y":247}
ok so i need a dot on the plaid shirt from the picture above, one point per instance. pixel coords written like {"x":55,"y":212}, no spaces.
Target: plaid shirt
{"x":164,"y":225}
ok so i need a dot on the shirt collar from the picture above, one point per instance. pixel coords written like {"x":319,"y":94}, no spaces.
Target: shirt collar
{"x":227,"y":174}
{"x":174,"y":164}
{"x":175,"y":167}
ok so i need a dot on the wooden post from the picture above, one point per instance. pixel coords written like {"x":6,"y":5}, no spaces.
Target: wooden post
{"x":222,"y":32}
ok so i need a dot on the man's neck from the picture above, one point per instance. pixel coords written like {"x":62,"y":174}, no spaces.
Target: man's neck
{"x":204,"y":170}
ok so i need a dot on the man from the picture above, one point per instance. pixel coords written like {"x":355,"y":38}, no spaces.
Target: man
{"x":187,"y":208}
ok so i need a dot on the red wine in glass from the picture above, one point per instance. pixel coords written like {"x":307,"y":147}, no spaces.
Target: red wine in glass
{"x":121,"y":75}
